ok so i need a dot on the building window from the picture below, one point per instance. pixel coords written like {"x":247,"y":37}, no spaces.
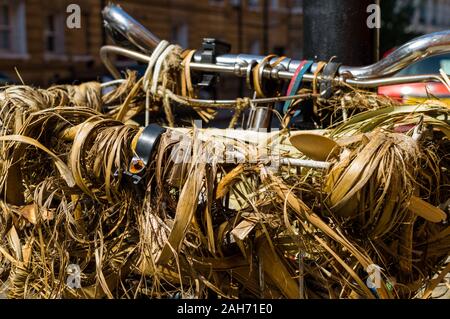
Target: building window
{"x":5,"y":27}
{"x":235,"y":3}
{"x":422,"y":12}
{"x":180,"y":35}
{"x":445,"y":13}
{"x":253,"y":4}
{"x":297,"y":6}
{"x":216,"y":2}
{"x":12,"y":27}
{"x":435,"y":12}
{"x":54,"y":34}
{"x":50,"y":34}
{"x":255,"y":47}
{"x":442,"y":13}
{"x":274,"y":4}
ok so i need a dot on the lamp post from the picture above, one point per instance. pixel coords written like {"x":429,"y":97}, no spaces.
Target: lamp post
{"x":339,"y":28}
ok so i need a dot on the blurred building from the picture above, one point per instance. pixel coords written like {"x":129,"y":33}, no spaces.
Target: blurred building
{"x":34,"y":36}
{"x":35,"y":40}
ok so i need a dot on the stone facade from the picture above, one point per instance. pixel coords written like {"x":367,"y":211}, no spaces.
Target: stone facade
{"x":35,"y":39}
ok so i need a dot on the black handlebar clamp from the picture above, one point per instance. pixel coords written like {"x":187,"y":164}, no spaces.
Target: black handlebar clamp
{"x":145,"y":147}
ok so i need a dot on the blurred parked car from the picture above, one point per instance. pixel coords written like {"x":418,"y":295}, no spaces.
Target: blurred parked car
{"x":418,"y":92}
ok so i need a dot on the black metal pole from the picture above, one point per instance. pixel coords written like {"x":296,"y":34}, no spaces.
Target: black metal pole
{"x":339,"y":28}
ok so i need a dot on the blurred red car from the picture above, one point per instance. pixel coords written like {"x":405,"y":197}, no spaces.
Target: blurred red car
{"x":419,"y":92}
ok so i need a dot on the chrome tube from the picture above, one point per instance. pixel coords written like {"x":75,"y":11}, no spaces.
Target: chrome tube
{"x":376,"y":82}
{"x":117,"y":20}
{"x":286,"y":75}
{"x":106,"y":50}
{"x":412,"y":51}
{"x":231,"y":60}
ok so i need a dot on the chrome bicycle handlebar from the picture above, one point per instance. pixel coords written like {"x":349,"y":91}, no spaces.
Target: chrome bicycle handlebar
{"x":412,"y":51}
{"x":123,"y":25}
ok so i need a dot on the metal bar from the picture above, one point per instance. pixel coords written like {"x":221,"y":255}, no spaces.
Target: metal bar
{"x":373,"y":83}
{"x":276,"y":74}
{"x":368,"y":83}
{"x":288,"y":161}
{"x":244,"y":59}
{"x":106,"y":50}
{"x":304,"y":163}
